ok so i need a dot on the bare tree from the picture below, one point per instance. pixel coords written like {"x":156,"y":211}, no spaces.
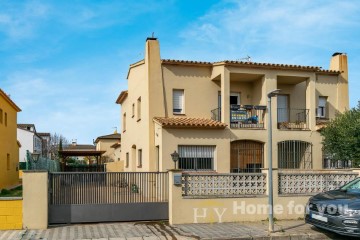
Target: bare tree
{"x":54,"y":144}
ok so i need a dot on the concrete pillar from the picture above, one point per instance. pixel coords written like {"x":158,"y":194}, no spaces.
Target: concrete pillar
{"x":35,"y":199}
{"x":174,"y":196}
{"x":311,"y":102}
{"x":225,"y":96}
{"x":275,"y":182}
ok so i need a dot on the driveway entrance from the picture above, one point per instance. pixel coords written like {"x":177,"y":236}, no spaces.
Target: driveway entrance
{"x":107,"y":196}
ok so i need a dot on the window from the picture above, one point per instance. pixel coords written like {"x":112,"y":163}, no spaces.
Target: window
{"x":139,"y":109}
{"x":127,"y":160}
{"x":321,"y":110}
{"x":295,"y":154}
{"x":246,"y":156}
{"x":133,"y":110}
{"x":5,"y":119}
{"x":8,"y":161}
{"x":124,"y":122}
{"x":178,"y":101}
{"x":1,"y":116}
{"x":196,"y":157}
{"x":139,"y":158}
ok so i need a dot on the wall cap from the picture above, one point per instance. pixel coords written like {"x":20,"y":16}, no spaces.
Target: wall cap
{"x":10,"y":198}
{"x":34,"y":171}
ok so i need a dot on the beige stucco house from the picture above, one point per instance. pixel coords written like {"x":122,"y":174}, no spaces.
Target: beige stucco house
{"x":214,"y":114}
{"x":111,"y":144}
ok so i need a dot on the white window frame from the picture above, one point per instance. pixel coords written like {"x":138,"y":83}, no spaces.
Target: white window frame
{"x":321,"y":109}
{"x":181,"y":101}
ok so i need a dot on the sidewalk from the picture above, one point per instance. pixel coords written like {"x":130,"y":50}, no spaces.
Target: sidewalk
{"x":161,"y":230}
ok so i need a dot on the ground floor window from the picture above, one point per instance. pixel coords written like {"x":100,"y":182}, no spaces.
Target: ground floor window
{"x":295,"y":154}
{"x":246,"y":156}
{"x":196,"y":157}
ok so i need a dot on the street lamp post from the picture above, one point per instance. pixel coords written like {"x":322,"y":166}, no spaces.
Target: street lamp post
{"x":271,"y":199}
{"x":175,"y":157}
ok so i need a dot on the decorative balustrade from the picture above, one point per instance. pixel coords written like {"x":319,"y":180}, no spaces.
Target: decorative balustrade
{"x":312,"y":183}
{"x":223,"y":185}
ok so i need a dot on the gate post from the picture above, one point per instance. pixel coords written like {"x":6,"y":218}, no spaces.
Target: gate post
{"x":35,"y":199}
{"x":174,"y":194}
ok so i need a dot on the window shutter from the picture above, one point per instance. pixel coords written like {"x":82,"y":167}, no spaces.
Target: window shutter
{"x":178,"y":101}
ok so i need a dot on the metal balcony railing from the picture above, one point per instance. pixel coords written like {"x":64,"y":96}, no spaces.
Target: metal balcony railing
{"x":247,"y":116}
{"x":293,"y":119}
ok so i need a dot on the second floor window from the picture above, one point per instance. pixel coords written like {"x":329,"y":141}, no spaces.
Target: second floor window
{"x":178,"y":101}
{"x":5,"y":119}
{"x":133,"y":110}
{"x":1,"y":115}
{"x":124,"y":122}
{"x":139,"y":109}
{"x":127,"y":160}
{"x":139,"y":158}
{"x":321,"y":110}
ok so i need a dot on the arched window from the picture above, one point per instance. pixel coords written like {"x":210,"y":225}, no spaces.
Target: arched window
{"x":295,"y":154}
{"x":246,"y":156}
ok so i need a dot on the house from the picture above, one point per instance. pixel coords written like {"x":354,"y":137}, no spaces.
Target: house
{"x":9,"y":146}
{"x":30,"y":140}
{"x":46,"y":138}
{"x":215,"y":115}
{"x":111,"y":144}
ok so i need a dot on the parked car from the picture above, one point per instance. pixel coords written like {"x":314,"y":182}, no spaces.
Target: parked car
{"x":337,"y":210}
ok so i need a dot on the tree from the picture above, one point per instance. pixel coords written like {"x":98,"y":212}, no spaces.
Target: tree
{"x":342,"y":136}
{"x":56,"y":141}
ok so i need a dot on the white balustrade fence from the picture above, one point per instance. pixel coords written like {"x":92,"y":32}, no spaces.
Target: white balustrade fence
{"x":223,"y":185}
{"x":312,"y":182}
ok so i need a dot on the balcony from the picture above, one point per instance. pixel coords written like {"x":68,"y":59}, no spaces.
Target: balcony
{"x":247,"y":116}
{"x":292,"y":119}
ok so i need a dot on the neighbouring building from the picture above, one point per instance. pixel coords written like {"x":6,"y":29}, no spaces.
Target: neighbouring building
{"x":9,"y":146}
{"x":46,"y":138}
{"x":111,"y":145}
{"x":29,"y":139}
{"x":215,"y":115}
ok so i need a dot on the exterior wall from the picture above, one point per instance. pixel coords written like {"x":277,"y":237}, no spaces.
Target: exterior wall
{"x":169,"y":139}
{"x":105,"y":145}
{"x":26,"y":138}
{"x":137,"y":131}
{"x":35,"y":199}
{"x":10,"y":213}
{"x":214,"y":210}
{"x":115,"y":166}
{"x":8,"y":145}
{"x":325,"y":86}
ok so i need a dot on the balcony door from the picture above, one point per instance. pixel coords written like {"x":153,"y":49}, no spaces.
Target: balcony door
{"x":234,"y":99}
{"x":283,"y":108}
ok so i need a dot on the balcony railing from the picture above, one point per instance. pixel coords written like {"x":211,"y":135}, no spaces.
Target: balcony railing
{"x":293,"y":119}
{"x":247,"y":116}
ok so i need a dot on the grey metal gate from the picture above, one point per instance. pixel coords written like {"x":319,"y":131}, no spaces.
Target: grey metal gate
{"x":107,"y":196}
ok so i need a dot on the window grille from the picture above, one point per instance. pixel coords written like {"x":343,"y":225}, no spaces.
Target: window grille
{"x":295,"y":154}
{"x":196,"y":157}
{"x":246,"y":156}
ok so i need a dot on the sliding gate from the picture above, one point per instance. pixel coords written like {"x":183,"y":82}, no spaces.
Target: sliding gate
{"x":106,"y":196}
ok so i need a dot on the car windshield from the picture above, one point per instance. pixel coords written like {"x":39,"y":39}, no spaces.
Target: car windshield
{"x":352,"y":186}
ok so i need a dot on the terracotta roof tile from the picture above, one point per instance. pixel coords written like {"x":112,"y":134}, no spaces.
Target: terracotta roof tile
{"x":122,"y":97}
{"x":253,"y":64}
{"x":185,"y":122}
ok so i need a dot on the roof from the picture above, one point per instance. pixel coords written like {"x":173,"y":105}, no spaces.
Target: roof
{"x":77,"y":147}
{"x":8,"y":99}
{"x":44,"y":134}
{"x":116,"y":136}
{"x":185,"y":122}
{"x":67,"y":153}
{"x":122,"y":97}
{"x":25,"y":125}
{"x":252,"y":64}
{"x":115,"y":145}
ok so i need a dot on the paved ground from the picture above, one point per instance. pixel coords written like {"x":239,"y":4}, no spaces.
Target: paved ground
{"x":161,"y":230}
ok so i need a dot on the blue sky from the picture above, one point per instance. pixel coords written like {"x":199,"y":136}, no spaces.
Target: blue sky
{"x":65,"y":62}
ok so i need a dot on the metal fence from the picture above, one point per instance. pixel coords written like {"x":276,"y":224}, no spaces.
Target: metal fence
{"x":292,"y":118}
{"x":107,"y":188}
{"x":223,"y":185}
{"x":42,"y":164}
{"x":312,"y":183}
